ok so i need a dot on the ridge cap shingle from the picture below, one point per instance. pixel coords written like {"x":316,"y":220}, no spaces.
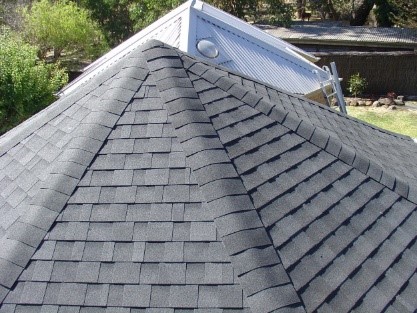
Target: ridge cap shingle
{"x":315,"y":134}
{"x":220,"y":68}
{"x":225,"y":192}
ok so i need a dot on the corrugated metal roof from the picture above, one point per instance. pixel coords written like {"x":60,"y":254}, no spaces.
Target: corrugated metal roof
{"x":247,"y":56}
{"x":242,"y":47}
{"x":358,"y":34}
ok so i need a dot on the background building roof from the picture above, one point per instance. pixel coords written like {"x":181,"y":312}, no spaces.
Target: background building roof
{"x":325,"y":33}
{"x":167,"y":184}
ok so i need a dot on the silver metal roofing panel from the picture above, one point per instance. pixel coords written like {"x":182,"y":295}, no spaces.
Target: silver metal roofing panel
{"x":248,"y":57}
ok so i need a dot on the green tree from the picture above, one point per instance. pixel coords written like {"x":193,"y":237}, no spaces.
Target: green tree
{"x":235,"y":7}
{"x":403,"y":12}
{"x":9,"y":14}
{"x":277,"y":12}
{"x":26,"y":84}
{"x":259,"y":11}
{"x":360,"y":11}
{"x":384,"y":13}
{"x":121,"y":18}
{"x":113,"y":16}
{"x":60,"y":26}
{"x":336,"y":9}
{"x":145,"y":12}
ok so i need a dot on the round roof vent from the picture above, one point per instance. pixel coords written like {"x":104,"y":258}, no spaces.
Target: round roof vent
{"x":207,"y":48}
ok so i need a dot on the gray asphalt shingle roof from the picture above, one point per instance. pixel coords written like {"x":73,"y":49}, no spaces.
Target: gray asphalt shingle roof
{"x":169,"y":185}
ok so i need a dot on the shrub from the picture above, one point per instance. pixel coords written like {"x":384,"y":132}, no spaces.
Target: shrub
{"x":357,"y":84}
{"x":26,"y":85}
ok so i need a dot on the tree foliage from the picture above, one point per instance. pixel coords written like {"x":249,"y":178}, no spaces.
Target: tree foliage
{"x":384,"y":13}
{"x":145,"y":12}
{"x":402,"y":13}
{"x":361,"y":9}
{"x":26,"y":85}
{"x":259,"y":11}
{"x":336,"y":9}
{"x":9,"y":14}
{"x":62,"y":25}
{"x":121,"y":18}
{"x":388,"y":13}
{"x":235,"y":7}
{"x":357,"y":84}
{"x":113,"y":16}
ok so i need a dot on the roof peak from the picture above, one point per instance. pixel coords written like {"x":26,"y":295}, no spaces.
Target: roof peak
{"x":130,"y":163}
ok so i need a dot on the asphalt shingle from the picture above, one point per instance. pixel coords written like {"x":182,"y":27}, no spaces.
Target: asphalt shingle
{"x":172,"y":185}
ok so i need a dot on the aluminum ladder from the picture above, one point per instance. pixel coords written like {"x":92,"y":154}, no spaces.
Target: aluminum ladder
{"x":336,"y":90}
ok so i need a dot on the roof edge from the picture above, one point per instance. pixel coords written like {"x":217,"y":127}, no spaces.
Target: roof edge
{"x":349,"y":43}
{"x":316,"y":135}
{"x":25,"y":235}
{"x":23,"y":130}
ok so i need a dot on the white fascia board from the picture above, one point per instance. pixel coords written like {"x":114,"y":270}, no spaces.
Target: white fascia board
{"x":187,"y":28}
{"x":252,"y":30}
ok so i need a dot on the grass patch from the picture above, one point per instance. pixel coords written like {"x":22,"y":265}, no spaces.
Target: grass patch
{"x":399,"y":121}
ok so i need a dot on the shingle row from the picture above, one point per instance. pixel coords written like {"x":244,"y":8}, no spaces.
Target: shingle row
{"x":11,"y":308}
{"x":171,"y":296}
{"x":139,"y":160}
{"x":123,"y":272}
{"x":134,"y":194}
{"x":146,"y":212}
